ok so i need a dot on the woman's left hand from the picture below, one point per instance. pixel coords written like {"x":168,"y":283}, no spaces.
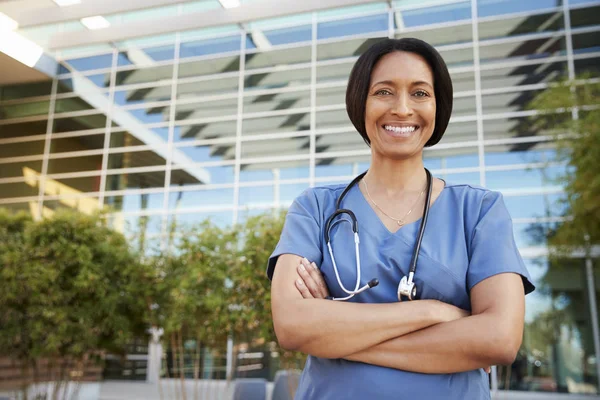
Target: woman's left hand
{"x":311,"y":284}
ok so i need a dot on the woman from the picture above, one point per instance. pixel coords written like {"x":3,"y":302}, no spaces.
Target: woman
{"x":470,"y":281}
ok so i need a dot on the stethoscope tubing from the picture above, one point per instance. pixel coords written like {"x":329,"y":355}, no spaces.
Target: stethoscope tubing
{"x":354,"y":222}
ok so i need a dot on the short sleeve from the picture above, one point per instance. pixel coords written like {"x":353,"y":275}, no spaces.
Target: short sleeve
{"x":301,"y":233}
{"x":493,"y":247}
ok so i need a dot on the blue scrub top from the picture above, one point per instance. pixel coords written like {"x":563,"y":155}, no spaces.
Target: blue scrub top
{"x":468,"y":238}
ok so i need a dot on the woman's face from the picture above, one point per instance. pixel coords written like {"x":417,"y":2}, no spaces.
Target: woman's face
{"x":400,"y":109}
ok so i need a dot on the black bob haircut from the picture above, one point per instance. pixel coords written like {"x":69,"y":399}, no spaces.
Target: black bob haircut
{"x":360,"y":80}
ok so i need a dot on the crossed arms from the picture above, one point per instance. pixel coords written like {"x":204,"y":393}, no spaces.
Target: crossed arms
{"x":426,"y":336}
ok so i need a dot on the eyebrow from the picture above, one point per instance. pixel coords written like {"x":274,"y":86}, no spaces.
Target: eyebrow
{"x":388,"y":82}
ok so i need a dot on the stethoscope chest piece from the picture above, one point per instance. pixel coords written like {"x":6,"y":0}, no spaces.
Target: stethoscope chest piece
{"x":407,"y":289}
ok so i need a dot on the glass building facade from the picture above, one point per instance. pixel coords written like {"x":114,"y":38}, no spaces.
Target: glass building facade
{"x":233,"y":120}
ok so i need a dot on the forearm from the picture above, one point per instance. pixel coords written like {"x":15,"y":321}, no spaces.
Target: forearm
{"x":462,"y":345}
{"x":332,"y":329}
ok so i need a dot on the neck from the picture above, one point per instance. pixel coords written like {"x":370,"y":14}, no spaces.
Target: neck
{"x":396,"y":176}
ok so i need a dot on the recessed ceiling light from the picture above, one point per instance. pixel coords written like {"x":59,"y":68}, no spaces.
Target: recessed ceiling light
{"x":64,"y":3}
{"x":96,"y":22}
{"x":230,"y":3}
{"x":7,"y":23}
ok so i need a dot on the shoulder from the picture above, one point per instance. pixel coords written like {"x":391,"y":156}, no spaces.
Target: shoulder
{"x":476,"y":202}
{"x":316,"y":200}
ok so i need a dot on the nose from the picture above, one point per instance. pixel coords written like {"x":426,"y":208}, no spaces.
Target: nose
{"x":402,"y":106}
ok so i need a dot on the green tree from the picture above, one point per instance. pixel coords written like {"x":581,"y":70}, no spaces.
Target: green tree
{"x":578,"y":145}
{"x":73,"y":290}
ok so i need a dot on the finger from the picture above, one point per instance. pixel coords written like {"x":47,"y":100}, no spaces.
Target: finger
{"x":303,"y":289}
{"x":488,"y":370}
{"x":318,"y":277}
{"x":308,"y":280}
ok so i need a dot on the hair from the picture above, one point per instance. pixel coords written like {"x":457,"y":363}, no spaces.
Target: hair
{"x":360,"y":80}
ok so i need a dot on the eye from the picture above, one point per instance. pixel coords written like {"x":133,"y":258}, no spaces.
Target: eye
{"x":383,"y":92}
{"x":421,"y":93}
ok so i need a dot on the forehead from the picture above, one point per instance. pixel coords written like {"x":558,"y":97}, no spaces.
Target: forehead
{"x":402,"y":66}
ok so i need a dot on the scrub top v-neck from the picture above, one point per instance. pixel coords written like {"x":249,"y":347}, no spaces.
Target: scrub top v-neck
{"x":468,"y":238}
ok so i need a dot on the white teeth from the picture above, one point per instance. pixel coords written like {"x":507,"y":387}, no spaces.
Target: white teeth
{"x":397,"y":129}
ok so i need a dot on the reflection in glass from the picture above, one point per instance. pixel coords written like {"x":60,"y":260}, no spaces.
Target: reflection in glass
{"x":487,"y":8}
{"x":195,"y":175}
{"x":24,"y":90}
{"x":72,"y":186}
{"x":89,"y":63}
{"x":134,"y":160}
{"x":23,"y":129}
{"x":272,"y":58}
{"x":522,"y":25}
{"x":257,"y":195}
{"x":523,"y":75}
{"x":23,"y":110}
{"x":144,"y":75}
{"x":457,"y":57}
{"x":200,"y":198}
{"x":138,"y":180}
{"x":218,"y":85}
{"x":96,"y":84}
{"x":77,"y":143}
{"x":209,"y":67}
{"x":139,"y":226}
{"x":336,"y":72}
{"x":525,"y":178}
{"x":352,"y":26}
{"x":210,"y":46}
{"x":20,"y":189}
{"x":71,"y":104}
{"x":460,"y":132}
{"x":346,"y":48}
{"x":279,"y":123}
{"x":28,"y":169}
{"x":454,"y":34}
{"x":205,"y":130}
{"x":534,"y":206}
{"x":142,"y":95}
{"x":586,"y":42}
{"x":276,"y":101}
{"x":152,"y":115}
{"x":206,"y":109}
{"x":508,"y":102}
{"x":516,"y":127}
{"x":331,"y":96}
{"x":277,"y":79}
{"x":75,"y":164}
{"x":584,"y":16}
{"x":222,"y":219}
{"x":206,"y":152}
{"x":523,"y":50}
{"x":344,"y":141}
{"x":465,"y":157}
{"x":293,"y":34}
{"x":135,"y":202}
{"x":557,"y":354}
{"x":273,"y":171}
{"x":464,"y":106}
{"x":9,"y":150}
{"x":275,"y":147}
{"x":78,"y":123}
{"x":587,"y":66}
{"x":341,"y":166}
{"x":332,"y":119}
{"x":520,"y":153}
{"x":436,"y":14}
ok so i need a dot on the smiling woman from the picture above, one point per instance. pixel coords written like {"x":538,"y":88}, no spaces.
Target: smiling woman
{"x":429,"y":309}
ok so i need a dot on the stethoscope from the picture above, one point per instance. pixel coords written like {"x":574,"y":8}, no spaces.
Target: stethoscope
{"x":406,"y":287}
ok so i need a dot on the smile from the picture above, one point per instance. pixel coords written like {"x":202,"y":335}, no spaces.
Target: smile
{"x":402,"y":130}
